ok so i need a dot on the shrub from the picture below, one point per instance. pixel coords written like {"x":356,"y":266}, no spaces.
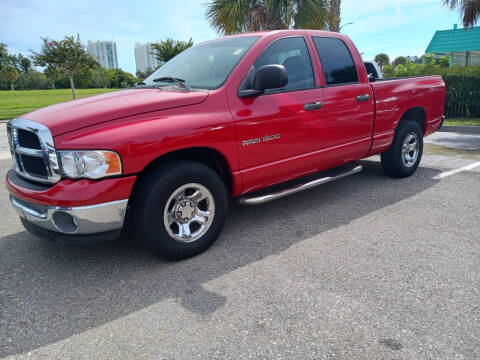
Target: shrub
{"x":462,"y":83}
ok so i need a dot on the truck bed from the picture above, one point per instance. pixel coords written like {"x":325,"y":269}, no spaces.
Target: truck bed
{"x":395,"y":96}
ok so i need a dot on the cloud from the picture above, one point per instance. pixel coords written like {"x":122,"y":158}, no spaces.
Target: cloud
{"x":368,"y":8}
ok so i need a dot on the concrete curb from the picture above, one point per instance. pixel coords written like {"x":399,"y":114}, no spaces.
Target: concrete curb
{"x":461,"y":129}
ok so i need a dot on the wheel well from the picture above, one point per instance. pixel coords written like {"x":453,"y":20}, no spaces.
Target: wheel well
{"x":416,"y":114}
{"x":207,"y":156}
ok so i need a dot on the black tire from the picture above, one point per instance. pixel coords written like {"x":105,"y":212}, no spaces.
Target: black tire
{"x":150,"y":200}
{"x":393,"y":162}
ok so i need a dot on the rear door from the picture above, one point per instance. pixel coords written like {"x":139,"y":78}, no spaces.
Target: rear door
{"x":348,"y":108}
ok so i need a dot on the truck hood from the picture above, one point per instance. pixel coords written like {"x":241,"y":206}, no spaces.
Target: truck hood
{"x":75,"y":114}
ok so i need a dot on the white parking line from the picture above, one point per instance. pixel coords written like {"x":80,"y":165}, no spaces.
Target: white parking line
{"x":456,"y":171}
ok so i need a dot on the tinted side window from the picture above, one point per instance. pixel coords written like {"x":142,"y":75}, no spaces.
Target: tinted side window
{"x":293,"y":54}
{"x":336,"y":61}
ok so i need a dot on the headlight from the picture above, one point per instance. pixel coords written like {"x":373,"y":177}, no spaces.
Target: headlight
{"x":90,"y":164}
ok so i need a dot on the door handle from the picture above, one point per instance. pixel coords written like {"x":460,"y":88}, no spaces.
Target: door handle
{"x":313,"y":106}
{"x":364,"y":97}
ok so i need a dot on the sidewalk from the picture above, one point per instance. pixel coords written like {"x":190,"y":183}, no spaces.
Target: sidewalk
{"x":4,"y":148}
{"x":454,"y":140}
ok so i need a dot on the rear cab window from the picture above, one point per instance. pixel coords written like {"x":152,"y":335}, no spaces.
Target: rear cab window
{"x":337,"y":62}
{"x":371,"y":70}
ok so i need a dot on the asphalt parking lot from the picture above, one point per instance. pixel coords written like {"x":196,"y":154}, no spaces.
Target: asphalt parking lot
{"x":367,"y":267}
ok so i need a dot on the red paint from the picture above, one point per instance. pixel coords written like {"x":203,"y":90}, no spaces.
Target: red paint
{"x":78,"y":192}
{"x":143,"y":124}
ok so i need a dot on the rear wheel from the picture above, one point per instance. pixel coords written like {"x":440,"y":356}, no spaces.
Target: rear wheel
{"x":180,"y":209}
{"x":405,"y":153}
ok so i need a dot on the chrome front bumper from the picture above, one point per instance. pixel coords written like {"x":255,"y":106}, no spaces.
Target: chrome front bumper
{"x":82,"y":220}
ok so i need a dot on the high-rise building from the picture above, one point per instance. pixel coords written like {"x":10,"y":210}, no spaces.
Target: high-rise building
{"x":105,"y":52}
{"x":145,"y":60}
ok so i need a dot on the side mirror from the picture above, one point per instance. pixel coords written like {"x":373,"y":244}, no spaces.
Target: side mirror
{"x":267,"y":77}
{"x":270,"y":77}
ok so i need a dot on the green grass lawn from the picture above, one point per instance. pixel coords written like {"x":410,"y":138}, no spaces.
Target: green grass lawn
{"x":462,"y":122}
{"x":15,"y":103}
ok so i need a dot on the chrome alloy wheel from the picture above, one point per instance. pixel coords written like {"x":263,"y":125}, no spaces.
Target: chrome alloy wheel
{"x":189,"y":212}
{"x":410,"y":150}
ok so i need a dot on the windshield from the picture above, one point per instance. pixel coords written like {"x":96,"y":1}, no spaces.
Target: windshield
{"x":204,"y":66}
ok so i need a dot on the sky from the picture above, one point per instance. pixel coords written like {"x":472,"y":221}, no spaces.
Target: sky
{"x":396,"y":27}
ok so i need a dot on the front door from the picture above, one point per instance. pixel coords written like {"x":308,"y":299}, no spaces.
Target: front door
{"x":279,"y":131}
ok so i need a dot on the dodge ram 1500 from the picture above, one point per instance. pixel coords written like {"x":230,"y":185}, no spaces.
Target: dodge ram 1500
{"x":254,"y":117}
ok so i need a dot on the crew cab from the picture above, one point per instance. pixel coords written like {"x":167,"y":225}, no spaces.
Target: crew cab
{"x":253,"y":117}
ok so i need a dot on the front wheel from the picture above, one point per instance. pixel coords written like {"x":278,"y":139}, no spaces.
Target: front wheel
{"x":180,"y":209}
{"x":405,"y":153}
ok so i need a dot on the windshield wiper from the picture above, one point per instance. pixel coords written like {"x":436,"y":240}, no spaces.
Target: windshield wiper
{"x":178,"y":81}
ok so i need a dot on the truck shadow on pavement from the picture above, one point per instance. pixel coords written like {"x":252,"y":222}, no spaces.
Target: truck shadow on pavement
{"x":49,"y":292}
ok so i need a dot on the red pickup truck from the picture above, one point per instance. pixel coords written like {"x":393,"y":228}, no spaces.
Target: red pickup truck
{"x":254,"y":117}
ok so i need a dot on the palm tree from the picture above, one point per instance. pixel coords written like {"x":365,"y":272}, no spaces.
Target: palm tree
{"x":237,"y":16}
{"x":333,"y":22}
{"x":170,"y":48}
{"x":382,"y":59}
{"x":469,"y":9}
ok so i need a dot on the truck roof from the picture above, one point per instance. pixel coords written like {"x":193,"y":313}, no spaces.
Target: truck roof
{"x":274,"y":33}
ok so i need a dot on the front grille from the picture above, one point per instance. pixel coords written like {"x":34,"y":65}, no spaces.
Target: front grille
{"x":33,"y":152}
{"x":28,"y":139}
{"x":34,"y":165}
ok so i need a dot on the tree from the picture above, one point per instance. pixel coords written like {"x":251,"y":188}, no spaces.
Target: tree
{"x":334,"y":18}
{"x":142,"y":75}
{"x":382,"y":59}
{"x":444,"y":61}
{"x":118,"y":78}
{"x":24,"y":63}
{"x":414,"y":59}
{"x":401,"y":60}
{"x":237,"y":16}
{"x":31,"y":80}
{"x":51,"y":72}
{"x":469,"y":10}
{"x":68,"y":56}
{"x":169,"y":48}
{"x":10,"y":74}
{"x":3,"y":54}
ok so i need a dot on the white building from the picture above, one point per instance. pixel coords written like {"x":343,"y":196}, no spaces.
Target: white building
{"x":145,"y":61}
{"x":105,"y":52}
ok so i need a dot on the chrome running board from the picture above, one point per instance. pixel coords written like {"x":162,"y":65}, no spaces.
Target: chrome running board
{"x":257,"y":200}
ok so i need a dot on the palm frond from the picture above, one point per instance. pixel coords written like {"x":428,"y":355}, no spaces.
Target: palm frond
{"x":469,"y":10}
{"x":311,"y":14}
{"x":235,"y":16}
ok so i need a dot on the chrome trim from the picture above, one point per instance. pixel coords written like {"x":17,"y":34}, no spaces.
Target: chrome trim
{"x":48,"y":150}
{"x":29,"y":152}
{"x":90,"y":219}
{"x":293,"y":190}
{"x":27,"y":210}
